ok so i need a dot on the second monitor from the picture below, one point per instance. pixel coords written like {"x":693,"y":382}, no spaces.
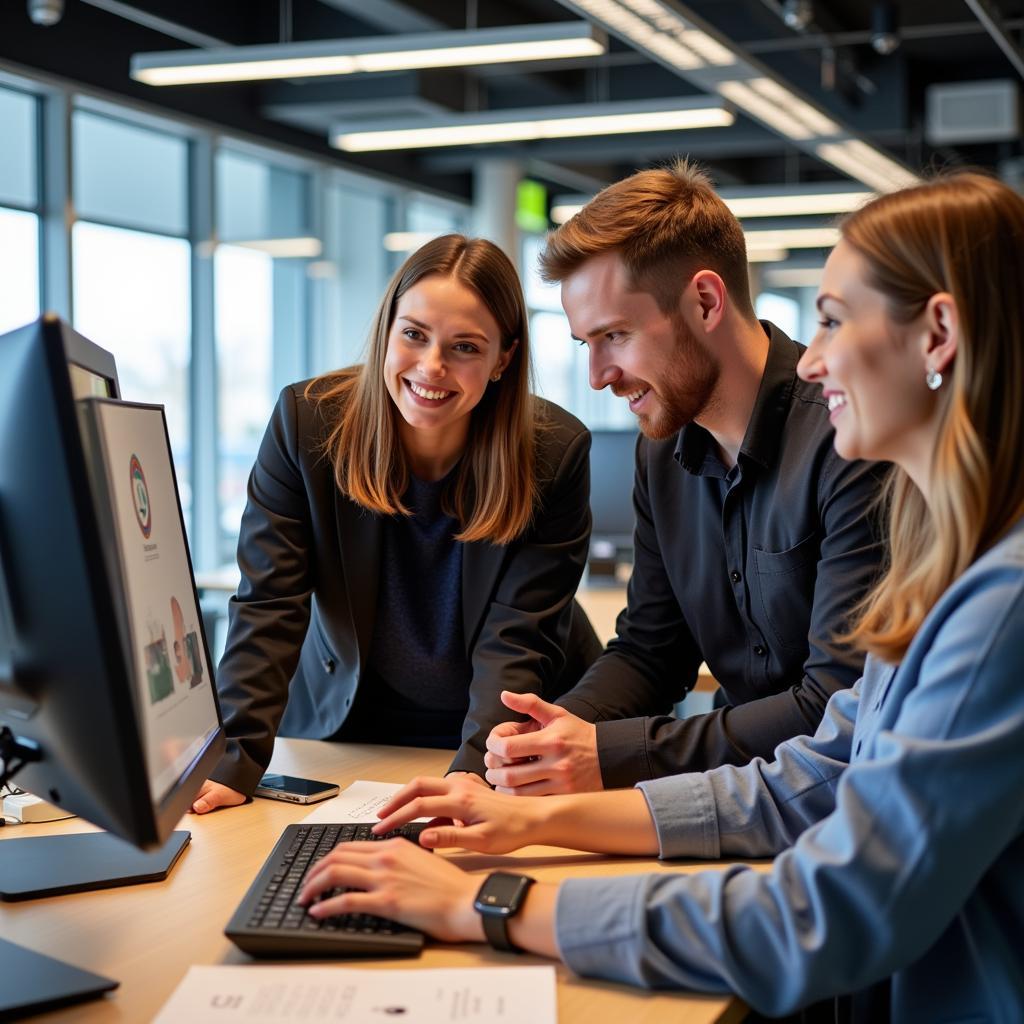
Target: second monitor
{"x":612,"y":461}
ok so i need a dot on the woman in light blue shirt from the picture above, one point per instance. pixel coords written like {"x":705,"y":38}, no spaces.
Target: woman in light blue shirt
{"x":898,"y":828}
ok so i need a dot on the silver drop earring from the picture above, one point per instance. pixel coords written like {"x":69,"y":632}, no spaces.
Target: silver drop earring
{"x":933,"y":379}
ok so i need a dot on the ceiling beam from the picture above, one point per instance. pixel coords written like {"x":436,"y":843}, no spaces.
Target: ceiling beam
{"x":151,"y":21}
{"x":989,"y":16}
{"x":389,"y":15}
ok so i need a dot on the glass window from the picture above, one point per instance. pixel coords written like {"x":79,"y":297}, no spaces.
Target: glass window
{"x":19,"y":268}
{"x":243,"y":290}
{"x":561,"y":364}
{"x":354,"y":222}
{"x":783,"y":311}
{"x":432,"y":219}
{"x":129,"y":175}
{"x":18,"y":164}
{"x":256,"y":200}
{"x":539,"y":294}
{"x":132,"y":296}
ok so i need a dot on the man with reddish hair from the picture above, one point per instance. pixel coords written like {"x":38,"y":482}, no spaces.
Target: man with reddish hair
{"x":753,"y":539}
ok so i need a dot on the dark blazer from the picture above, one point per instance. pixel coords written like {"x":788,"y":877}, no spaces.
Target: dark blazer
{"x":301,"y":623}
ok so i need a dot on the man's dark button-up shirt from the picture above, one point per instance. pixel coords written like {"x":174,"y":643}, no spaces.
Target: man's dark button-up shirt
{"x":753,"y":569}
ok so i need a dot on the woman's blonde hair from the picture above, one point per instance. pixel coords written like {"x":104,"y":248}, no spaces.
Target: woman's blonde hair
{"x":493,"y":490}
{"x":962,"y":234}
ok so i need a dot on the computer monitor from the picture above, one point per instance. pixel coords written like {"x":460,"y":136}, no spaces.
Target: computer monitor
{"x":90,"y":633}
{"x":107,"y":700}
{"x":612,"y":461}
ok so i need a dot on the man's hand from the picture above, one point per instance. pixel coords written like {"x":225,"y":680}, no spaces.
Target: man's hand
{"x":213,"y":795}
{"x":552,"y":752}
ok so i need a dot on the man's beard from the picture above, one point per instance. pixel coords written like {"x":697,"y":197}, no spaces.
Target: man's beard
{"x":686,"y":389}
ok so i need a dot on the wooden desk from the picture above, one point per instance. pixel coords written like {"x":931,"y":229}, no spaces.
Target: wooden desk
{"x":147,"y":936}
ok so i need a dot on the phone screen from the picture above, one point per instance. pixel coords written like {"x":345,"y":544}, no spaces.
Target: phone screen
{"x":292,"y":784}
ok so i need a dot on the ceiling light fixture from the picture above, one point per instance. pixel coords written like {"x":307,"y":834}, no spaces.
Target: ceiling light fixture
{"x":774,"y":203}
{"x":374,"y":54}
{"x":792,"y":238}
{"x":757,"y":201}
{"x":768,"y":101}
{"x":661,"y":31}
{"x":793,"y":277}
{"x":561,"y":212}
{"x":797,"y":14}
{"x":538,"y":123}
{"x":766,"y":255}
{"x":285,"y":248}
{"x":867,"y":164}
{"x":406,"y":241}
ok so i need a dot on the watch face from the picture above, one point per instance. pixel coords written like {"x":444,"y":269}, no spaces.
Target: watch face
{"x":502,"y":894}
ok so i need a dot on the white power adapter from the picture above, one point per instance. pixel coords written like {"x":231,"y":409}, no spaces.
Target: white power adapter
{"x":28,"y":808}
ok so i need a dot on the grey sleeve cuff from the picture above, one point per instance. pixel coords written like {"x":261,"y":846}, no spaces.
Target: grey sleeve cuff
{"x":597,"y":926}
{"x":684,"y":814}
{"x":622,"y":752}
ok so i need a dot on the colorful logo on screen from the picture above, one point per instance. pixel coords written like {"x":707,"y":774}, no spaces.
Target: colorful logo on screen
{"x":140,"y":496}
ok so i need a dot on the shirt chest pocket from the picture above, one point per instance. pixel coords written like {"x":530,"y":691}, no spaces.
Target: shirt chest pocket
{"x":783,"y":590}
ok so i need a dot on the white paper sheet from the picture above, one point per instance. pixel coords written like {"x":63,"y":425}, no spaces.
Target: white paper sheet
{"x":308,"y":995}
{"x":359,"y":802}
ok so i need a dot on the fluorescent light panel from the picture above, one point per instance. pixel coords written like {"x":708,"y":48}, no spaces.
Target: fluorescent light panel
{"x":284,"y":248}
{"x":406,"y":241}
{"x":796,"y":204}
{"x":767,"y":101}
{"x":867,"y":164}
{"x":792,"y":238}
{"x":766,"y":255}
{"x":562,"y":212}
{"x":373,"y":54}
{"x":762,"y":203}
{"x":793,"y":277}
{"x":666,"y":31}
{"x":539,"y":123}
{"x":661,"y":30}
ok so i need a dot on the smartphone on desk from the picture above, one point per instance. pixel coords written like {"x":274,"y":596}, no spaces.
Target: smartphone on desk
{"x":294,"y":790}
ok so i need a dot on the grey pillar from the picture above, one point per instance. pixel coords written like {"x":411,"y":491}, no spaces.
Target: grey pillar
{"x":494,"y":203}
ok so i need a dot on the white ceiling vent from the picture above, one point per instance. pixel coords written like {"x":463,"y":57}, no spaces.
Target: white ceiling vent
{"x":973,"y":112}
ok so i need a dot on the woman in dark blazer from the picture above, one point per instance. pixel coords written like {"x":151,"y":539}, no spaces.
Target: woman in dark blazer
{"x":415,"y":530}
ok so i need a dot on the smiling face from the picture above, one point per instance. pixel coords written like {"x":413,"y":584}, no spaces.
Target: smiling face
{"x":443,"y":347}
{"x":651,"y":359}
{"x":871,"y":369}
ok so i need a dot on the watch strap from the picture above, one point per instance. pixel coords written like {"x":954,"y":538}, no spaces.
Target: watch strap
{"x":496,"y":932}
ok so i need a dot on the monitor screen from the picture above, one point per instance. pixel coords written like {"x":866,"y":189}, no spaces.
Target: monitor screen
{"x":86,"y":383}
{"x":133,"y":477}
{"x":612,"y":462}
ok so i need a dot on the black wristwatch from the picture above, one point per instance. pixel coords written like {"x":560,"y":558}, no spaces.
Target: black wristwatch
{"x":500,"y":897}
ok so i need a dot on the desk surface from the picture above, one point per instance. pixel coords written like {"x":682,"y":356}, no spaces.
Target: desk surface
{"x":146,"y":936}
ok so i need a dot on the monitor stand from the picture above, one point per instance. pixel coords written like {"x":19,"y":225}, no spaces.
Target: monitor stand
{"x":32,"y":983}
{"x":54,"y":865}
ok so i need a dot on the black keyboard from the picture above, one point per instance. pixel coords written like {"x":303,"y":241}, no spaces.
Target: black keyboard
{"x":270,"y":922}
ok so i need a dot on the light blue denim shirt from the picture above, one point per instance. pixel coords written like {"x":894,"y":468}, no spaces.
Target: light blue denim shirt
{"x":898,"y":829}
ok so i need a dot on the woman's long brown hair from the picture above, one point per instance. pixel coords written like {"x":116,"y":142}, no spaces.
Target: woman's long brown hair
{"x":494,"y":489}
{"x":962,"y":234}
